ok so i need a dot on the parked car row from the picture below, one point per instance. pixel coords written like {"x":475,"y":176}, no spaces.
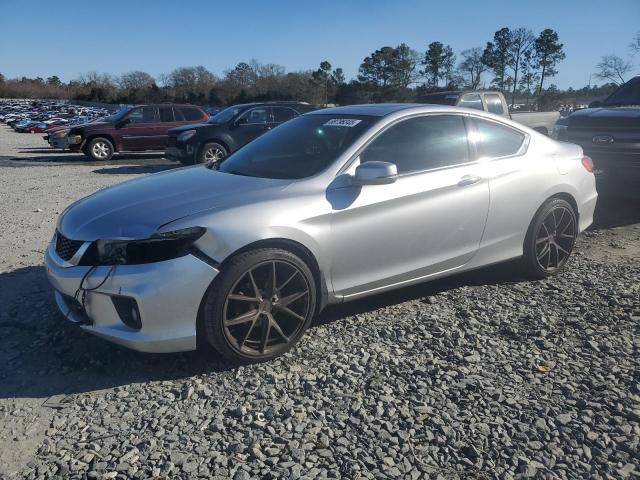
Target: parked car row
{"x":186,"y":132}
{"x":45,"y":116}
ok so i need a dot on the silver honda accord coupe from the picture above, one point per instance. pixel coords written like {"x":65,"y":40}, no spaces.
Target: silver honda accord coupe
{"x":334,"y":205}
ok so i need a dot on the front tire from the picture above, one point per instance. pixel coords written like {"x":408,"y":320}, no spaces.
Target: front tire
{"x":260,"y":305}
{"x":99,"y":149}
{"x":212,"y":152}
{"x":550,"y":239}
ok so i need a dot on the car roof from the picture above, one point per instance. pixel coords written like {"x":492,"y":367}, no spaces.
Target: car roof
{"x":372,"y":109}
{"x":376,"y":109}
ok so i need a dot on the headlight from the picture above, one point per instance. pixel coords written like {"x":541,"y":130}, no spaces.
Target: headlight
{"x":75,"y":139}
{"x":186,"y":135}
{"x":559,"y":132}
{"x":157,"y":248}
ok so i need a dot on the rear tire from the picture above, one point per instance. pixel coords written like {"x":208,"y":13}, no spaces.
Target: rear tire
{"x":248,"y":320}
{"x":99,"y":149}
{"x":550,"y":239}
{"x":212,"y":152}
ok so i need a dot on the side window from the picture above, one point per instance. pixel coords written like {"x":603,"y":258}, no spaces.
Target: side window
{"x":179,"y":116}
{"x":191,"y":114}
{"x":166,"y":114}
{"x":281,"y":114}
{"x":494,"y":103}
{"x":256,"y":115}
{"x":471,"y":100}
{"x":143,"y":115}
{"x":421,"y":143}
{"x":496,"y":140}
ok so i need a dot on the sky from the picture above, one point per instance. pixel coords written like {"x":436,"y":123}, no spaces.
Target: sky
{"x":44,"y":38}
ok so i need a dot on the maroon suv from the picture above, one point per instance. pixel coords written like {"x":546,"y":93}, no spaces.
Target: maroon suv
{"x":143,"y":127}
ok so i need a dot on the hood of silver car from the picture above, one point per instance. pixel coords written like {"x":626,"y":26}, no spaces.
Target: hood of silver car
{"x":137,"y":208}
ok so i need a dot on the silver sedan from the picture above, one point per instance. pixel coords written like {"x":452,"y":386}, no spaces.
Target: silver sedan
{"x":335,"y":205}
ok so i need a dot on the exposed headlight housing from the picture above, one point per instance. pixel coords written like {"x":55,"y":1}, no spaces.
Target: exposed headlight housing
{"x":157,"y":248}
{"x":186,"y":135}
{"x":75,"y":139}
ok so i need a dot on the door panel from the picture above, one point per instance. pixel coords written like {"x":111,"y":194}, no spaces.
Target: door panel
{"x":251,"y":125}
{"x":420,"y":225}
{"x":144,"y":132}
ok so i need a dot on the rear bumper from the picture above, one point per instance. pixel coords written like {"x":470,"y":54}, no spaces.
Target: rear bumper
{"x":616,"y":166}
{"x":168,"y":296}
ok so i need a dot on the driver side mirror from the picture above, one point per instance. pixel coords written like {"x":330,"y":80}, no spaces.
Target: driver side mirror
{"x":376,"y":173}
{"x":241,"y":121}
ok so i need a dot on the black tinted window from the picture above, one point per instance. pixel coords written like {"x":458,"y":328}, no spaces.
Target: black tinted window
{"x":179,"y":116}
{"x":281,"y":114}
{"x":471,"y":100}
{"x":421,"y":143}
{"x":191,"y":114}
{"x":256,"y":115}
{"x":494,"y":103}
{"x":166,"y":114}
{"x":496,"y":140}
{"x":143,"y":115}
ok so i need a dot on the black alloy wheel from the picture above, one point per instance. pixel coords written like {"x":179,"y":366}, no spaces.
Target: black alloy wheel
{"x":260,"y":306}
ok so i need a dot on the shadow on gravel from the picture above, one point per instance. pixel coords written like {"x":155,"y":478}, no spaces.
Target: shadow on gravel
{"x":496,"y":274}
{"x":616,"y":210}
{"x":136,"y":169}
{"x":43,"y":355}
{"x":46,"y":156}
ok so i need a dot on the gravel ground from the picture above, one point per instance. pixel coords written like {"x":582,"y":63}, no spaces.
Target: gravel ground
{"x":483,"y":375}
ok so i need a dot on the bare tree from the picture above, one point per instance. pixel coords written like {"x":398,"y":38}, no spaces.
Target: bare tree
{"x":635,"y":44}
{"x":522,"y":41}
{"x":136,"y":80}
{"x":471,"y":67}
{"x":613,"y":68}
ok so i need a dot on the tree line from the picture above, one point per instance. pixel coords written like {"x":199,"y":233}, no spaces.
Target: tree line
{"x":515,"y":61}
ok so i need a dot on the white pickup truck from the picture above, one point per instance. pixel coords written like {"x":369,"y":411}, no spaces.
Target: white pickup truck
{"x":493,"y":102}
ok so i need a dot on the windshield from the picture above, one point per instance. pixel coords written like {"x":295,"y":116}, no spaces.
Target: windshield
{"x":227,"y":114}
{"x":627,"y":94}
{"x":116,"y":116}
{"x":298,"y":148}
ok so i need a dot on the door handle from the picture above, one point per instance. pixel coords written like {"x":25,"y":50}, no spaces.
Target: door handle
{"x":469,"y":180}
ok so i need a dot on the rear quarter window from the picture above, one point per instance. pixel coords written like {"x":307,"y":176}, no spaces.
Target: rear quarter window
{"x":496,"y":140}
{"x":191,"y":114}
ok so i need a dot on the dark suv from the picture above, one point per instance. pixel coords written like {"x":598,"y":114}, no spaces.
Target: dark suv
{"x":229,"y":130}
{"x":138,"y":128}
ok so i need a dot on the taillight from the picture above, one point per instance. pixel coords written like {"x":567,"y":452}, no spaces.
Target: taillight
{"x":587,"y":163}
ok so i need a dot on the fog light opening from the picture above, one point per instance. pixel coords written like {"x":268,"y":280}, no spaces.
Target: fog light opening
{"x":127,"y":309}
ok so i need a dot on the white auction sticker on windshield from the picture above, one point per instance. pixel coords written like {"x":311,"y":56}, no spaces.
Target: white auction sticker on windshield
{"x":342,"y":122}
